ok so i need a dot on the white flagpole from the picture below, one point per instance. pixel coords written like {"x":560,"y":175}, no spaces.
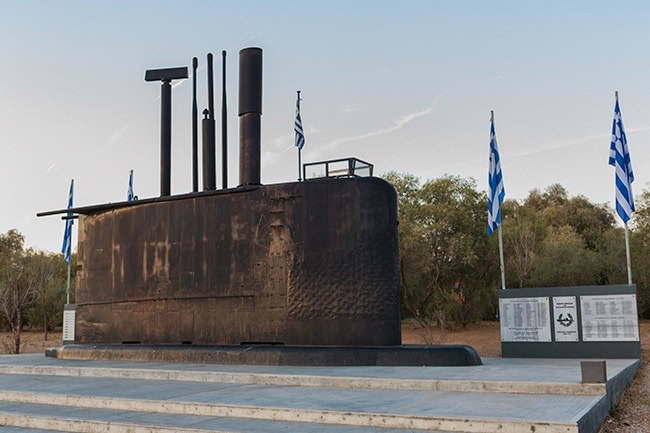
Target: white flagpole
{"x":69,"y":244}
{"x":503,"y":272}
{"x":627,"y":253}
{"x":627,"y":237}
{"x":67,"y":290}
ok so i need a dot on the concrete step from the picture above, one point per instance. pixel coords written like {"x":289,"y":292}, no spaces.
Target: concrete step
{"x":287,"y":379}
{"x":32,"y":417}
{"x":530,"y":376}
{"x":473,"y":412}
{"x":504,"y":395}
{"x":275,"y":414}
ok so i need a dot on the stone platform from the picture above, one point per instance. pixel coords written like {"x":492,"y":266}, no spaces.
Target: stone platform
{"x":39,"y":393}
{"x":402,"y":356}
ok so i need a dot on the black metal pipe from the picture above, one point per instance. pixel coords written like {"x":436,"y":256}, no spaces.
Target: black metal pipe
{"x":165,"y":138}
{"x":250,"y":116}
{"x":209,"y":146}
{"x":209,"y":179}
{"x":210,"y":87}
{"x":249,"y":149}
{"x":195,"y":129}
{"x":166,"y":76}
{"x":224,"y":124}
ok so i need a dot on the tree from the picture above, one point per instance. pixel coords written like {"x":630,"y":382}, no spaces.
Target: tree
{"x":557,"y":210}
{"x":49,"y":272}
{"x":449,"y":266}
{"x":564,"y":260}
{"x":16,"y":284}
{"x":448,"y":263}
{"x":640,"y":251}
{"x":522,"y":240}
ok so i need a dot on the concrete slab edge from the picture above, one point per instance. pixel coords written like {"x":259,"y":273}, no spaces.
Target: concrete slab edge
{"x":589,"y":421}
{"x":617,"y":385}
{"x":85,"y":426}
{"x":360,"y":419}
{"x":324,"y":356}
{"x":508,"y":387}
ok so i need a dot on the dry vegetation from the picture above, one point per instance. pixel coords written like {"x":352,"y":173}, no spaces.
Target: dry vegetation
{"x":632,"y":415}
{"x":482,"y":336}
{"x":32,"y":341}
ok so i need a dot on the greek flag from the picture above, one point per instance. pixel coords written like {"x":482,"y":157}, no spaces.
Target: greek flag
{"x":619,"y":157}
{"x":129,"y":193}
{"x":496,"y":190}
{"x":67,"y":235}
{"x":297,"y":126}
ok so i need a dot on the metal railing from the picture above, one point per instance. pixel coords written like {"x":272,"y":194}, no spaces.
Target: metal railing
{"x":337,"y":168}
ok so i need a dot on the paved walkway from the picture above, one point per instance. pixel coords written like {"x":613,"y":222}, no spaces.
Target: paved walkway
{"x":493,"y":369}
{"x":505,"y":395}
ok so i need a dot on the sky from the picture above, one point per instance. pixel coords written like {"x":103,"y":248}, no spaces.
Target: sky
{"x":405,"y":85}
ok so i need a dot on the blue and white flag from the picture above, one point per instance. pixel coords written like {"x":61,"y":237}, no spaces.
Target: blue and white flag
{"x":129,"y":194}
{"x":619,"y":157}
{"x":67,"y":235}
{"x":496,"y":190}
{"x":297,"y":126}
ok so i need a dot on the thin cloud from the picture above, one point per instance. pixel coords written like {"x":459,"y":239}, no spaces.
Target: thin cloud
{"x":447,"y":168}
{"x":398,"y":124}
{"x":351,"y":108}
{"x":476,"y":162}
{"x":49,"y":168}
{"x":282,"y":141}
{"x":574,"y":142}
{"x":113,"y":139}
{"x":270,"y":158}
{"x":314,"y":130}
{"x":252,"y":38}
{"x":37,"y":179}
{"x":178,"y":83}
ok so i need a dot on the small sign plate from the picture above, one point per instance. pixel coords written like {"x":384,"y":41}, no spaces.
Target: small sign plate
{"x":565,"y":318}
{"x":68,"y":324}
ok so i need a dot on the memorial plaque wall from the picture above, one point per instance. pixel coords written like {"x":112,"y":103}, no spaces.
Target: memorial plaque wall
{"x":587,"y":322}
{"x":609,"y":318}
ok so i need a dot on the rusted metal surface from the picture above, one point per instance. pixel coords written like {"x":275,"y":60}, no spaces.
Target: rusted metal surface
{"x":300,"y":263}
{"x":250,"y":116}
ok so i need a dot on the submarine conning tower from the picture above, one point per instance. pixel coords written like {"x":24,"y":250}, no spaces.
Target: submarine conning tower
{"x":300,"y":263}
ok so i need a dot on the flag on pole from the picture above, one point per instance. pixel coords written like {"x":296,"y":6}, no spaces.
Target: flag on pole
{"x":129,"y":193}
{"x":496,"y":190}
{"x":619,"y":157}
{"x":297,"y":127}
{"x":67,"y":235}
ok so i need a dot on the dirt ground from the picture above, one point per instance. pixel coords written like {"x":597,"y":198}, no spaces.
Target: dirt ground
{"x":484,"y":337}
{"x":633,"y":413}
{"x":631,"y":416}
{"x":31,"y":341}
